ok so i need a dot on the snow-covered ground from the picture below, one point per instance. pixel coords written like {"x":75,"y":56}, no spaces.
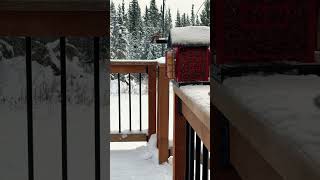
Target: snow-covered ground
{"x":138,"y":161}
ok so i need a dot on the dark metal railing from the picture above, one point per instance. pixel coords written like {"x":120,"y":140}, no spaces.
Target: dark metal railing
{"x":64,"y":108}
{"x":29,"y":109}
{"x":195,"y":157}
{"x":140,"y":100}
{"x":118,"y":75}
{"x":64,"y":138}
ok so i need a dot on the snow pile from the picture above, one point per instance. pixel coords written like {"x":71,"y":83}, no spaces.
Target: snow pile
{"x":151,"y":151}
{"x":135,"y":161}
{"x":190,"y":36}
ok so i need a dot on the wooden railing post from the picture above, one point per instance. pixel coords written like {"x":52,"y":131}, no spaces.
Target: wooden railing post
{"x":152,"y":101}
{"x":179,"y":138}
{"x":163,"y":114}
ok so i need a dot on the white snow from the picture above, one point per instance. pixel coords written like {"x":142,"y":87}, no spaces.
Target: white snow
{"x":190,"y":36}
{"x":161,"y":60}
{"x":199,"y":94}
{"x":133,"y":60}
{"x":138,"y":161}
{"x":286,"y":104}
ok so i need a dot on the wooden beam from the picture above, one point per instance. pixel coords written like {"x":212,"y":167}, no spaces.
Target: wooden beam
{"x":54,"y":23}
{"x":179,"y":141}
{"x":128,"y":69}
{"x":53,"y":5}
{"x":152,"y":98}
{"x":163,"y":114}
{"x":128,"y":137}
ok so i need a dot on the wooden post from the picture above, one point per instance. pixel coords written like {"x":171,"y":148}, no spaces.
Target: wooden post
{"x":163,"y":114}
{"x":179,"y":149}
{"x":152,"y":101}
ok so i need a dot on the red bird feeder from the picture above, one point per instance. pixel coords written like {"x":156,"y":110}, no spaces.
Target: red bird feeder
{"x":189,"y":59}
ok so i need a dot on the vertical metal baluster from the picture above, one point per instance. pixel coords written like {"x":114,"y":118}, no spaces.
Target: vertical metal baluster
{"x":130,"y":102}
{"x":119,"y":98}
{"x":205,"y":159}
{"x":198,"y":152}
{"x":140,"y":94}
{"x":191,"y":153}
{"x":63,"y":108}
{"x":187,"y":152}
{"x":29,"y":109}
{"x":96,"y":50}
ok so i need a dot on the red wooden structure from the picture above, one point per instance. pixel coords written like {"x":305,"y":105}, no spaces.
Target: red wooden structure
{"x":192,"y":64}
{"x":265,"y":31}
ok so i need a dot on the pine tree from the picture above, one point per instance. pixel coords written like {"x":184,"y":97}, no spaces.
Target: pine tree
{"x":193,"y":19}
{"x":188,"y":23}
{"x":198,"y":23}
{"x":178,"y":20}
{"x":118,"y":35}
{"x":135,"y":30}
{"x":124,"y":14}
{"x":134,"y":17}
{"x":184,"y":20}
{"x":154,"y":15}
{"x":113,"y":22}
{"x":146,"y":34}
{"x":205,"y":14}
{"x":168,"y":23}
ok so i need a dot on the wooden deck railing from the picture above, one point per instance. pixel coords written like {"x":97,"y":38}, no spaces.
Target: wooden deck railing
{"x":158,"y":104}
{"x":138,"y":66}
{"x":191,"y":129}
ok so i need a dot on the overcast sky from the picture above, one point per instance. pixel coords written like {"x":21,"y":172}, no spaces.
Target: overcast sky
{"x":184,"y":6}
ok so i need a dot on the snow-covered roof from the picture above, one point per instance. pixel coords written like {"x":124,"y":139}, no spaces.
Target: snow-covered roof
{"x":190,"y":36}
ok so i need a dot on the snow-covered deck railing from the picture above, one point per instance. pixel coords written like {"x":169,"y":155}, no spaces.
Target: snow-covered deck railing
{"x":192,"y":116}
{"x":274,"y":118}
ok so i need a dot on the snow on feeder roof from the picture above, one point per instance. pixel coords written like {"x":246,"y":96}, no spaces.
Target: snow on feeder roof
{"x":190,"y":36}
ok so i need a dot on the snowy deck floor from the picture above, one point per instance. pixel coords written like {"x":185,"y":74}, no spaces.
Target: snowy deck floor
{"x":137,"y":161}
